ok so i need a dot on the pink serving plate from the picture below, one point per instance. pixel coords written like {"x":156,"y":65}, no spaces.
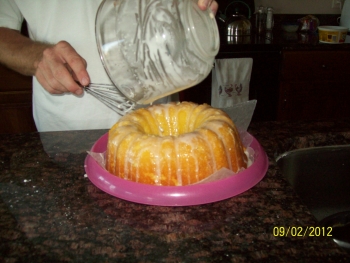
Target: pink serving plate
{"x":175,"y":195}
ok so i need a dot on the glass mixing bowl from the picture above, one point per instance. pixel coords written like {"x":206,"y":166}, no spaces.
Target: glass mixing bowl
{"x":151,"y":49}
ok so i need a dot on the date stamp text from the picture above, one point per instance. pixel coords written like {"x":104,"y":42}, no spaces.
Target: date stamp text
{"x":300,"y":231}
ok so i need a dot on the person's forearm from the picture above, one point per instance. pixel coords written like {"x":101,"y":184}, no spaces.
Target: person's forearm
{"x":57,"y":67}
{"x":20,"y":53}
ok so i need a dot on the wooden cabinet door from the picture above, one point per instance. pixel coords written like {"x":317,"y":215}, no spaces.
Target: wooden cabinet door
{"x":263,"y":85}
{"x":15,"y":102}
{"x":314,"y":86}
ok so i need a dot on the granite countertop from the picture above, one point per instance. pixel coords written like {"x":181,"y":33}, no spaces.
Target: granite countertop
{"x":277,"y":40}
{"x":51,"y":212}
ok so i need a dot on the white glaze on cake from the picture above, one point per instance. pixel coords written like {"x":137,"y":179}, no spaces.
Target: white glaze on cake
{"x":174,"y":144}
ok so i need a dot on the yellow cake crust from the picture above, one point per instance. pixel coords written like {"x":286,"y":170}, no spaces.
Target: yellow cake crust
{"x":173,"y":144}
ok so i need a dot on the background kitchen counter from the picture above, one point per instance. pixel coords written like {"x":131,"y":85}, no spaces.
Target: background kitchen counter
{"x":278,"y":40}
{"x":50,"y":212}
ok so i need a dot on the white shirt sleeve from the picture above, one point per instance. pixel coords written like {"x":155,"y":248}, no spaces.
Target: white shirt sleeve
{"x":10,"y":15}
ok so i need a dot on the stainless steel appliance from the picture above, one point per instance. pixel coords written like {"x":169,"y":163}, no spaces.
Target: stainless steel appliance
{"x":345,"y":15}
{"x":345,"y":18}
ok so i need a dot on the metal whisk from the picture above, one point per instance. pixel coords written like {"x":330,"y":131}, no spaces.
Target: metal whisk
{"x":111,"y":97}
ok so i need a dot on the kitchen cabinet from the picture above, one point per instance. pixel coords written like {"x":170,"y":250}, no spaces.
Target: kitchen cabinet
{"x":15,"y":102}
{"x":263,"y":85}
{"x":314,"y":85}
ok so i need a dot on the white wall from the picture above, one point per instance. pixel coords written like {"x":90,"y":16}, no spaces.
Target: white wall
{"x":300,"y":6}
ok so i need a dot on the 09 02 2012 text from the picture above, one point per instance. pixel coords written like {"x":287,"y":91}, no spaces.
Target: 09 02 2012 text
{"x":300,"y":231}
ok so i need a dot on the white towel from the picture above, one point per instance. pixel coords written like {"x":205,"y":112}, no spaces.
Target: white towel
{"x":230,"y":81}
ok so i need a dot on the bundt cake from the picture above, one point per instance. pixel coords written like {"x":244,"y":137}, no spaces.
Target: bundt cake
{"x":173,"y":144}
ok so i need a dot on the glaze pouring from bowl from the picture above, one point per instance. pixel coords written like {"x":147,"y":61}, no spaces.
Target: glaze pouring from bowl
{"x":156,"y":48}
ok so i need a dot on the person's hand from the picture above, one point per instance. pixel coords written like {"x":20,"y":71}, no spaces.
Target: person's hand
{"x":204,"y":4}
{"x":60,"y":68}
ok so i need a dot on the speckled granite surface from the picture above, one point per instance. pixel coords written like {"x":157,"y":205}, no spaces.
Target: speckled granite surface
{"x":50,"y":212}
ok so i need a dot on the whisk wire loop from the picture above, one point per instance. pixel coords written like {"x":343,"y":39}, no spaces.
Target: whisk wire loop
{"x":109,"y":95}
